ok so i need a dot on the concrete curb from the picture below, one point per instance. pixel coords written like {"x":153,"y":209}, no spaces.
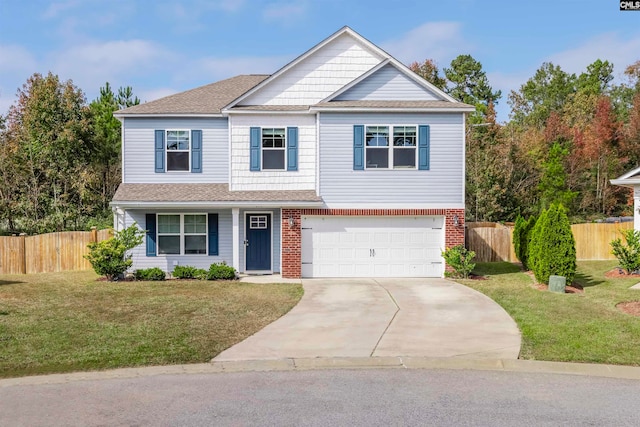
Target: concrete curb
{"x":294,"y":364}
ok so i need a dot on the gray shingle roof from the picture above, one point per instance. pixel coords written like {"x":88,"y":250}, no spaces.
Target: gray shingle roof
{"x":208,"y":99}
{"x":206,"y":193}
{"x":393,"y":104}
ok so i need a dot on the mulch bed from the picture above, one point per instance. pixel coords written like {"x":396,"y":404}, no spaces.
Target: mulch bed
{"x":618,"y":273}
{"x":630,"y":307}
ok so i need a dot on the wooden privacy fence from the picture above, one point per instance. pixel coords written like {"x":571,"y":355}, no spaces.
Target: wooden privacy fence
{"x":48,"y":253}
{"x":494,"y":242}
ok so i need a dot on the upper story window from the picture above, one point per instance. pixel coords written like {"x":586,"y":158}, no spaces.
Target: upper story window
{"x":273,"y":148}
{"x":382,"y":154}
{"x":178,"y":150}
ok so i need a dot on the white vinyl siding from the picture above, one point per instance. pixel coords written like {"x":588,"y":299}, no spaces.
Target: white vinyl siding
{"x":139,"y":158}
{"x":388,"y":84}
{"x":242,"y":178}
{"x":440,"y":187}
{"x":166,"y":262}
{"x":318,"y":76}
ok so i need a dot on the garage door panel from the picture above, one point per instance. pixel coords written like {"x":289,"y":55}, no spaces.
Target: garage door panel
{"x":372,"y":246}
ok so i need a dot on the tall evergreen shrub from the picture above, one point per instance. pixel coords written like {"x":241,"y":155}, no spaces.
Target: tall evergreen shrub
{"x":553,"y":248}
{"x":522,"y":238}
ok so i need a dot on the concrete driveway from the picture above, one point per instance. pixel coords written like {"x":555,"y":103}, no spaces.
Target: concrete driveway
{"x":385,"y":317}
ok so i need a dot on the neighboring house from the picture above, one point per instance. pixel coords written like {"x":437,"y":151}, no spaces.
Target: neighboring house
{"x":343,"y":163}
{"x":631,"y":179}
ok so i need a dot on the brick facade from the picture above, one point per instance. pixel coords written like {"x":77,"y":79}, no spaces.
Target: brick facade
{"x":292,"y":242}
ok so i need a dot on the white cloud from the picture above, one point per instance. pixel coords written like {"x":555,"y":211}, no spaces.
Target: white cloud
{"x":55,"y":9}
{"x":613,"y":47}
{"x":92,"y":64}
{"x":14,"y":58}
{"x":285,"y":12}
{"x":441,"y":41}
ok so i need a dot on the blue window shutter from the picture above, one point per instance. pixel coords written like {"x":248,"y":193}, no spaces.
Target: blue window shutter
{"x":151,"y":234}
{"x":159,"y":151}
{"x":196,"y":151}
{"x":255,"y":149}
{"x":292,"y":149}
{"x":358,"y":147}
{"x":213,"y":234}
{"x":423,"y":147}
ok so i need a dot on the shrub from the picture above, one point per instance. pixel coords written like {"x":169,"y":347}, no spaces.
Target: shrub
{"x":153,"y":273}
{"x":459,"y":258}
{"x":553,"y":248}
{"x":522,"y":238}
{"x":221,"y":271}
{"x":189,"y":272}
{"x":628,"y":253}
{"x":109,"y":257}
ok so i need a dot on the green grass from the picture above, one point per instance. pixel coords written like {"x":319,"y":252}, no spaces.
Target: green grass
{"x":568,"y":327}
{"x":70,"y":322}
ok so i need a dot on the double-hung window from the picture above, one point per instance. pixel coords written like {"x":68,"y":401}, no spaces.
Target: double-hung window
{"x":390,"y":147}
{"x":182,"y":234}
{"x":178,"y":153}
{"x":273,"y":148}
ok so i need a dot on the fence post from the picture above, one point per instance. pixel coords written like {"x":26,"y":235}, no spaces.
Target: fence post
{"x":94,"y":235}
{"x":23,"y":261}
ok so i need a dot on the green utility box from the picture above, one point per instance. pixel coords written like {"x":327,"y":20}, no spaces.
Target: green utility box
{"x":557,"y":283}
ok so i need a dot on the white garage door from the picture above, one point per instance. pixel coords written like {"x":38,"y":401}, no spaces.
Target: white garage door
{"x":372,"y":246}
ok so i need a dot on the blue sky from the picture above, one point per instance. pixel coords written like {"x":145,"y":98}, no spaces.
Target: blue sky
{"x":162,"y":47}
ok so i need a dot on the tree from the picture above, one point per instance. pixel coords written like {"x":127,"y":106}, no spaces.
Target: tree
{"x":105,"y":176}
{"x":522,"y":239}
{"x":428,"y":70}
{"x":109,"y":257}
{"x":553,"y":248}
{"x":469,"y":84}
{"x":553,"y":183}
{"x":49,"y":138}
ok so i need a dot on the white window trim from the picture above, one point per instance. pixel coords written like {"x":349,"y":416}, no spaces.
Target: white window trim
{"x":390,"y":147}
{"x":182,"y":233}
{"x":286,"y":144}
{"x":167,"y":151}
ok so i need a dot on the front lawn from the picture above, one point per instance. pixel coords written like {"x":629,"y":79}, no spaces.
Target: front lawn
{"x":61,"y":322}
{"x":567,"y":327}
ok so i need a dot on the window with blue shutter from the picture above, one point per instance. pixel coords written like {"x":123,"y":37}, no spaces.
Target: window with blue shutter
{"x":196,"y":151}
{"x":150,"y":225}
{"x":254,"y":146}
{"x":159,"y":144}
{"x":423,"y":147}
{"x":292,"y":149}
{"x":358,"y":147}
{"x":213,"y":234}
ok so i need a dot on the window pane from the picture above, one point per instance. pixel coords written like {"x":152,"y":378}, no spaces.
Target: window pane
{"x":178,"y":161}
{"x":404,"y":157}
{"x":195,"y":244}
{"x":196,"y":224}
{"x":404,"y":136}
{"x":168,"y":224}
{"x":377,"y":136}
{"x":273,"y":138}
{"x":377,"y":157}
{"x":168,"y":244}
{"x":273,"y":159}
{"x":177,"y":140}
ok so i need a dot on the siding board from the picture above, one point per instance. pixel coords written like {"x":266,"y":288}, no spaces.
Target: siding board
{"x":441,"y":186}
{"x":139,"y":150}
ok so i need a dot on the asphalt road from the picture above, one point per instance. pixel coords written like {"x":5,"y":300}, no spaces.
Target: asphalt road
{"x":366,"y":397}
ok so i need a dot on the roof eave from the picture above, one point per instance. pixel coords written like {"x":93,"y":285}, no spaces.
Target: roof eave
{"x":232,"y":111}
{"x":625,"y":182}
{"x":167,"y":115}
{"x":395,"y":109}
{"x":210,"y":204}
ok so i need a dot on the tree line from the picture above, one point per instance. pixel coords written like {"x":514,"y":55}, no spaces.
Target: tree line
{"x":566,"y":137}
{"x":59,"y":156}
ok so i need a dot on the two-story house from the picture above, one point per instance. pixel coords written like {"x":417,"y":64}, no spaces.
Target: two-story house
{"x":343,"y":163}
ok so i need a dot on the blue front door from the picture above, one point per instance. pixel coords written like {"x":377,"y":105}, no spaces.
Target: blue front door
{"x":258,"y":242}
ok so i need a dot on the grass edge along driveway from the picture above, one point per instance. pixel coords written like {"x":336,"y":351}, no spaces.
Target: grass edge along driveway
{"x":63,"y":322}
{"x":567,"y":327}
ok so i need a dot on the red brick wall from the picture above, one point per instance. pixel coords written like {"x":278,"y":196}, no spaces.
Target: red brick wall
{"x":291,"y":247}
{"x":291,"y":236}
